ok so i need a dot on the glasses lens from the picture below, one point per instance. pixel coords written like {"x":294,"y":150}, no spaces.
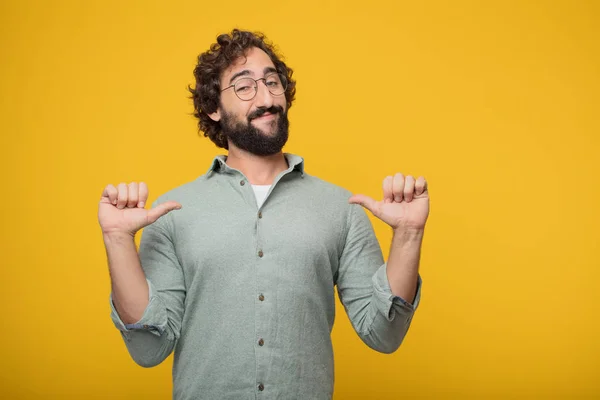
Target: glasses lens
{"x":245,"y":88}
{"x":276,"y":84}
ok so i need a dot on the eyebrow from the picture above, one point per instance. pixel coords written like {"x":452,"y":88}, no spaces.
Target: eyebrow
{"x":248,"y":72}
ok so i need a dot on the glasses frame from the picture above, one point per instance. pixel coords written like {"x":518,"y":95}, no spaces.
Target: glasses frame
{"x":282,"y":78}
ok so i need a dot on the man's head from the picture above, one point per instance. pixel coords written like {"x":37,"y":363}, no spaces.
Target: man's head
{"x":242,"y":94}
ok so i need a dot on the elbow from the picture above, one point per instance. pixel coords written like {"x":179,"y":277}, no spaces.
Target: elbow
{"x":389,"y":348}
{"x":385,"y":348}
{"x":149,"y":350}
{"x":384,"y":344}
{"x":147,"y":361}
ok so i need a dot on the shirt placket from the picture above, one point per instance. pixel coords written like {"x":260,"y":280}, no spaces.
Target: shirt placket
{"x":264,"y":298}
{"x":263,"y":307}
{"x":264,"y":304}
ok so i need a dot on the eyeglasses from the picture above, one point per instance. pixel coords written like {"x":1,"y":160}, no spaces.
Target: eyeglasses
{"x":246,"y":88}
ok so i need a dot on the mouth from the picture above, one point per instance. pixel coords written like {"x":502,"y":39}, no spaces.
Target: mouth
{"x":265,"y":114}
{"x":265,"y":117}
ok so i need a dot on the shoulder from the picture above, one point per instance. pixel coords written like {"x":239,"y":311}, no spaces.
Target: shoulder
{"x":326,"y":188}
{"x":333,"y":198}
{"x":186,"y":192}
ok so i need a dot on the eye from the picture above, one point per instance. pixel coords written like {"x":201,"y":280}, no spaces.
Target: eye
{"x":243,"y":89}
{"x":245,"y":86}
{"x":273,"y":81}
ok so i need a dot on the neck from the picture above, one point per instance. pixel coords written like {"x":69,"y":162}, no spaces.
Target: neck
{"x":260,"y":170}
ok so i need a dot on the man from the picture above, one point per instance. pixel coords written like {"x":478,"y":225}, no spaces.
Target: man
{"x":239,"y":282}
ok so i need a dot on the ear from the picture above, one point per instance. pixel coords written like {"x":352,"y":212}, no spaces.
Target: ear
{"x":216,"y":116}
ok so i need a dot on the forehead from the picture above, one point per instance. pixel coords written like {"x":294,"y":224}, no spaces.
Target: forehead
{"x":255,"y":62}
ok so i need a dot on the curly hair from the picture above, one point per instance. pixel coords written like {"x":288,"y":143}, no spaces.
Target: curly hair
{"x":211,"y":64}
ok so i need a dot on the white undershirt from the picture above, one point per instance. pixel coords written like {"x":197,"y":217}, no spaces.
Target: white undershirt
{"x":260,"y":191}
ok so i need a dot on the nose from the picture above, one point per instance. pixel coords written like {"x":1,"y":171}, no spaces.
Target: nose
{"x":263,"y":97}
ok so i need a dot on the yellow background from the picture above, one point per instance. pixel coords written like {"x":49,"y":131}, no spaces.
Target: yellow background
{"x":495,"y":103}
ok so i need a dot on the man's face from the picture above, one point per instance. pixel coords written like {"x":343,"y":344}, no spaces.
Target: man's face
{"x":259,"y":125}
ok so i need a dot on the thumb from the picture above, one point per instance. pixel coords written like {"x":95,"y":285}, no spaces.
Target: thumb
{"x":364,"y":201}
{"x":162,"y":209}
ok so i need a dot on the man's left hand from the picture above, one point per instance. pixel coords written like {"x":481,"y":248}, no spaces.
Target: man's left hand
{"x":405,"y":204}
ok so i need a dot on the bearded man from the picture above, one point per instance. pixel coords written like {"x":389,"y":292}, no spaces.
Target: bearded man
{"x":239,"y":281}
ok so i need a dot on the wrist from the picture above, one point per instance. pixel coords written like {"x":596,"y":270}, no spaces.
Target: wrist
{"x":115,"y":237}
{"x":408,"y":235}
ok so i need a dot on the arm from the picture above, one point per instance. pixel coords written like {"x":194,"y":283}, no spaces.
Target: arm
{"x":403,"y":263}
{"x":379,"y":318}
{"x":148,"y":319}
{"x":152,"y":338}
{"x":405,"y":207}
{"x":128,"y":281}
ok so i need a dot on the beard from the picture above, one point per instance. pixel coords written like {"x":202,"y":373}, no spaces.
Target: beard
{"x":246,"y":136}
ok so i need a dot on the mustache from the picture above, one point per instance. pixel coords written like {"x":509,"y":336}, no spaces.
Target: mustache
{"x":259,"y":112}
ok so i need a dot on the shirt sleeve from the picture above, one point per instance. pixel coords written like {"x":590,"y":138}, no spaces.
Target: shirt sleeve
{"x":379,"y":318}
{"x":151,"y":339}
{"x":152,"y":313}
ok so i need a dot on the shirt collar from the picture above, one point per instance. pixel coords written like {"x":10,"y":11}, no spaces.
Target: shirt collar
{"x":295,"y":163}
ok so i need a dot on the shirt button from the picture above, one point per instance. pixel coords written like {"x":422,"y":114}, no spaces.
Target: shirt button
{"x":261,"y":342}
{"x":242,"y":182}
{"x":260,"y":253}
{"x":261,"y":297}
{"x":259,"y":214}
{"x":261,"y":387}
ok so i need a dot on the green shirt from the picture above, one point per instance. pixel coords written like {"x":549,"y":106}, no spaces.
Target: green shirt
{"x":245,"y":296}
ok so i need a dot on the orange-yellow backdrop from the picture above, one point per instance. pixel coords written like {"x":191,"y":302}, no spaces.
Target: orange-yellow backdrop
{"x":496,"y":103}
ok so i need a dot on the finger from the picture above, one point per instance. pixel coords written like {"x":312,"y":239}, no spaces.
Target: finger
{"x":398,"y":187}
{"x":109,"y":195}
{"x":122,"y":196}
{"x":364,"y":201}
{"x":143,"y":195}
{"x":132,"y":200}
{"x":388,"y":196}
{"x":162,"y":209}
{"x":409,"y":188}
{"x":420,"y":186}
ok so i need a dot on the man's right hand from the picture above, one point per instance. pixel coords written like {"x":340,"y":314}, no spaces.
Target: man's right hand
{"x":121,"y":209}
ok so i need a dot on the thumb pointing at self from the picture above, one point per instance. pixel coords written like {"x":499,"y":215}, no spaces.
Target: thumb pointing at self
{"x":364,"y":201}
{"x":162,"y":209}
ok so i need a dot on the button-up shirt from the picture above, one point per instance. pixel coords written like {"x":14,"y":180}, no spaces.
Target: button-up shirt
{"x":244,"y":296}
